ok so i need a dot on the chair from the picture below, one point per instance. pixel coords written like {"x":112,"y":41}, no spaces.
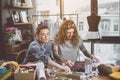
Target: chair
{"x":21,"y":55}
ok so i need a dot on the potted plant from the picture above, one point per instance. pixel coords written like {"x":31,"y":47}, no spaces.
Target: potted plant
{"x":11,"y":33}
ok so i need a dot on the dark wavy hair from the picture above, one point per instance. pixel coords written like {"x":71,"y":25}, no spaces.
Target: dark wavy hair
{"x":61,"y":37}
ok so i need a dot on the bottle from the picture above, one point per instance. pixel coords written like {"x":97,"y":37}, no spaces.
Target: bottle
{"x":94,"y":69}
{"x":41,"y":72}
{"x":88,"y":66}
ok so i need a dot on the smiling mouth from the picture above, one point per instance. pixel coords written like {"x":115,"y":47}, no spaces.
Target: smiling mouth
{"x":45,"y":39}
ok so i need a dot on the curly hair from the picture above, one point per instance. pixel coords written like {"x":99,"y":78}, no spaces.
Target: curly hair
{"x":61,"y":35}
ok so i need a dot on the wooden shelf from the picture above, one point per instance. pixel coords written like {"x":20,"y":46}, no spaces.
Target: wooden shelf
{"x":22,"y":23}
{"x":20,"y":7}
{"x":12,"y":49}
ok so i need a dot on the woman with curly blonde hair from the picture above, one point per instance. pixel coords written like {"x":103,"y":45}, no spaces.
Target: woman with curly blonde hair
{"x":62,"y":37}
{"x":68,"y":43}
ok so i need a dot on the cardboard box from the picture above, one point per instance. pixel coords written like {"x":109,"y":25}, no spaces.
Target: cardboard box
{"x":18,"y":75}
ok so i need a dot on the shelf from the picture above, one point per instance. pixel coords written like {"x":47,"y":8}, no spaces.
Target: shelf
{"x":20,"y":7}
{"x":12,"y":49}
{"x":22,"y":23}
{"x":24,"y":27}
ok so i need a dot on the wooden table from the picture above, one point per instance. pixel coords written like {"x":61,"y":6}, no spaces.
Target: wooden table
{"x":77,"y":77}
{"x":103,"y":78}
{"x":94,"y":78}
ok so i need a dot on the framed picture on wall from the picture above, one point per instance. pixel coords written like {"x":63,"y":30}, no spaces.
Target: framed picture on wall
{"x":29,"y":3}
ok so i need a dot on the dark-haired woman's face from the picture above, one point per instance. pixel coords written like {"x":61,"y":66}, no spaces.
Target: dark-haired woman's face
{"x":69,"y":33}
{"x":43,"y":35}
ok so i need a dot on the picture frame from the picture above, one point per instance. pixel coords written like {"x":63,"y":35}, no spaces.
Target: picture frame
{"x":15,"y":16}
{"x":29,"y":3}
{"x":18,"y":35}
{"x":23,"y":16}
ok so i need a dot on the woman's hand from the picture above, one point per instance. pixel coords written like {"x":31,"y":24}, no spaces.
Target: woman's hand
{"x":66,"y":69}
{"x":70,"y":63}
{"x":95,"y":59}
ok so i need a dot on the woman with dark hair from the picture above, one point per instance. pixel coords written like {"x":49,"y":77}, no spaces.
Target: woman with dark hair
{"x":39,"y":52}
{"x":68,"y":43}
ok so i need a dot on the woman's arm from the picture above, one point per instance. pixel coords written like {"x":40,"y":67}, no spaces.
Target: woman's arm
{"x":86,"y":53}
{"x":38,"y":53}
{"x":56,"y":56}
{"x":65,"y":68}
{"x":84,"y":50}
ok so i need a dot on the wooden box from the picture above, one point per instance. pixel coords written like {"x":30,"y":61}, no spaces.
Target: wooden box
{"x":18,"y":75}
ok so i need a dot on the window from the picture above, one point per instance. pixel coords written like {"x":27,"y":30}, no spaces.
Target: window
{"x":116,"y":25}
{"x":109,"y":12}
{"x":110,"y":52}
{"x":109,"y":25}
{"x":81,"y":26}
{"x":47,"y":7}
{"x":107,"y":9}
{"x":105,"y":25}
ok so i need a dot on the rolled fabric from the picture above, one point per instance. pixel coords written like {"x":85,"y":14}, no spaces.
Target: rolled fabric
{"x":3,"y":70}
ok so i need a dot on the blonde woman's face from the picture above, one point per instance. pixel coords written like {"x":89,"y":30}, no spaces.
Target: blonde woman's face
{"x":69,"y":33}
{"x":43,"y":36}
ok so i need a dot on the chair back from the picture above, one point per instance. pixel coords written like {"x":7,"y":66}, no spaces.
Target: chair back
{"x":21,"y":55}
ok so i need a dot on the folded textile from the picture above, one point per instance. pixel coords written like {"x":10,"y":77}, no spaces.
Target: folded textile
{"x":6,"y":75}
{"x":3,"y":70}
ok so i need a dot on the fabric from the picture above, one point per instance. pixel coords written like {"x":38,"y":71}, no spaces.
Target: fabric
{"x":56,"y":56}
{"x":39,"y":68}
{"x":37,"y":52}
{"x":93,"y":35}
{"x":3,"y":70}
{"x":10,"y":65}
{"x":51,"y":28}
{"x":6,"y":75}
{"x":54,"y":28}
{"x":69,"y":52}
{"x":79,"y":66}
